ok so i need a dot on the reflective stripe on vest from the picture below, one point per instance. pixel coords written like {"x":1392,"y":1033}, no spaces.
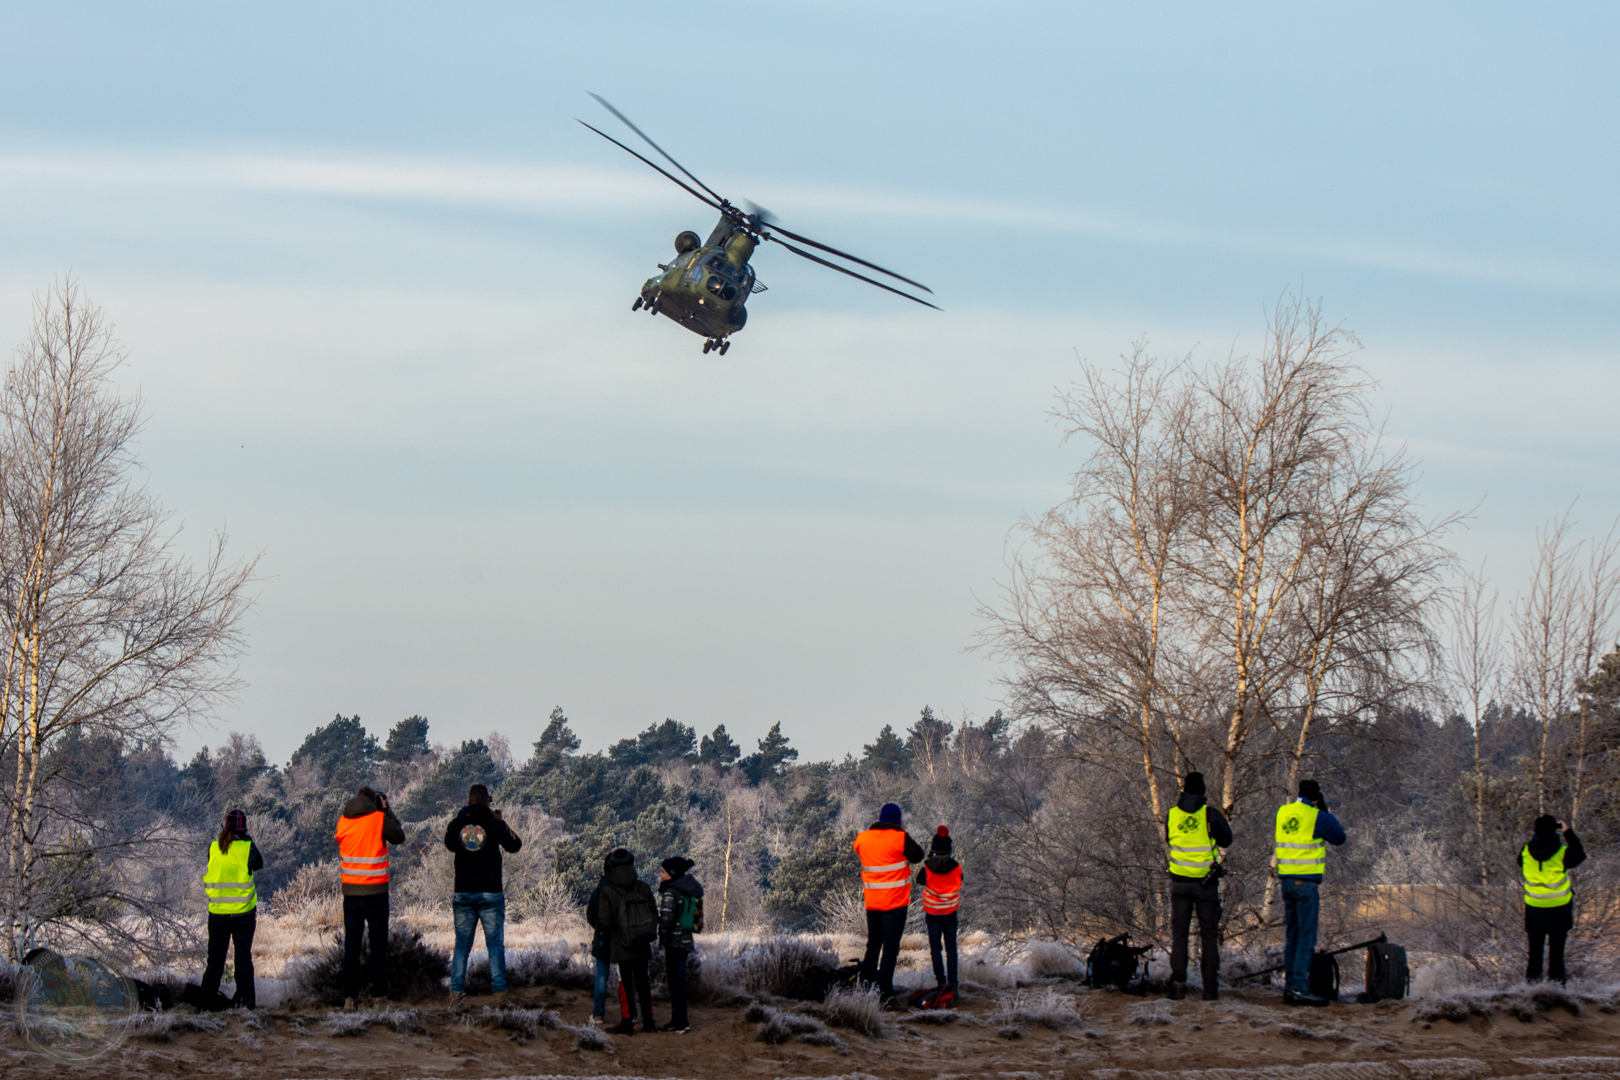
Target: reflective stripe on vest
{"x":1192,"y":851}
{"x":227,"y":882}
{"x":1298,"y":850}
{"x":362,"y":853}
{"x":1546,"y":883}
{"x":885,"y":873}
{"x":941,"y":892}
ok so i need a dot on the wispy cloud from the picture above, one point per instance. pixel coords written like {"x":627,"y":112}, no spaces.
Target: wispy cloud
{"x":564,"y":188}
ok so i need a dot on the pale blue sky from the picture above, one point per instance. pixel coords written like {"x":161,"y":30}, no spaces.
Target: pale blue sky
{"x":376,"y":285}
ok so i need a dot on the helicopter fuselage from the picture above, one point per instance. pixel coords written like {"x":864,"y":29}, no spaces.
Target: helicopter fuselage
{"x":706,"y":287}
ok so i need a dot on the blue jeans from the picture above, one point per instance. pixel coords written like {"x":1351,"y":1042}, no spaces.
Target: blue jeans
{"x":599,"y":1002}
{"x":942,"y":927}
{"x":1301,"y":902}
{"x":470,"y":909}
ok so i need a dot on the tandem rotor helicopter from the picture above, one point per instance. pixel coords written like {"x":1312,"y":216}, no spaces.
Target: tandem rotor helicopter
{"x":705,"y":288}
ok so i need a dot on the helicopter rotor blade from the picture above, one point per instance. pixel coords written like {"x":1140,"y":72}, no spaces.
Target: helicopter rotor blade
{"x":759,"y":213}
{"x":818,"y":259}
{"x":852,"y":258}
{"x":626,"y":121}
{"x":699,"y":195}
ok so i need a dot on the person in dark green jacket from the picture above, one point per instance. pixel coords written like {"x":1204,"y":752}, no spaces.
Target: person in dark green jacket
{"x":603,"y":957}
{"x":627,"y":916}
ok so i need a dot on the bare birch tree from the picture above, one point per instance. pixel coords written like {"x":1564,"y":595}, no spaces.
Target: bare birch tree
{"x":1545,"y":637}
{"x":107,"y":628}
{"x":1474,"y":667}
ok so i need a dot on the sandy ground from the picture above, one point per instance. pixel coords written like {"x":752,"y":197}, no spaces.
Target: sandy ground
{"x":1245,"y":1034}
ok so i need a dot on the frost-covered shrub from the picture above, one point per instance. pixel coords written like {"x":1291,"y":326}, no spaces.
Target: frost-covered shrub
{"x":787,"y":967}
{"x":415,"y":970}
{"x":545,"y":966}
{"x":1045,"y":959}
{"x":858,"y":1009}
{"x":526,"y":1022}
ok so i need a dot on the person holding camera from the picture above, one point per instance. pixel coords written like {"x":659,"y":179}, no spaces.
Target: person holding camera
{"x":1196,"y":832}
{"x":364,"y":832}
{"x":477,"y":834}
{"x":1549,"y":895}
{"x":1304,"y":830}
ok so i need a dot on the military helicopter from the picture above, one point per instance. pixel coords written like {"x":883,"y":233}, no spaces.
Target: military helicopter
{"x":705,"y":288}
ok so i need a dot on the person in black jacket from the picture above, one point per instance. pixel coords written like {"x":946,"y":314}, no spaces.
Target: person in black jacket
{"x":1197,"y":894}
{"x":622,"y":895}
{"x":1550,"y":925}
{"x":477,"y":835}
{"x":678,"y":893}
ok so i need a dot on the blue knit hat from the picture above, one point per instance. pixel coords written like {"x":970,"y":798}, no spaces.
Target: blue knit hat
{"x":890,"y":813}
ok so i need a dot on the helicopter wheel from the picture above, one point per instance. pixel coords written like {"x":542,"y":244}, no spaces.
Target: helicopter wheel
{"x":637,"y":305}
{"x":652,"y":308}
{"x":707,"y":345}
{"x":724,"y":345}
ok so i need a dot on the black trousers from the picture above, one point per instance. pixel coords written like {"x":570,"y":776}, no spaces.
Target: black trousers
{"x":637,"y":984}
{"x":1188,"y":896}
{"x":1549,"y":928}
{"x":223,"y":930}
{"x":367,"y":914}
{"x":675,"y":967}
{"x":883,"y":930}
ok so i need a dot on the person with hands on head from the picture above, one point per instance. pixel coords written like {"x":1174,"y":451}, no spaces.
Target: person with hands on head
{"x":886,"y":852}
{"x":233,"y":907}
{"x":1304,"y":829}
{"x":1196,"y":832}
{"x":365,"y":830}
{"x":680,"y":915}
{"x":1549,"y":895}
{"x":477,"y":835}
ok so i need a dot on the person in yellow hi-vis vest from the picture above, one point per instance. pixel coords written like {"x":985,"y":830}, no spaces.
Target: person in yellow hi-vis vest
{"x":1196,"y":832}
{"x":1549,"y":895}
{"x":1304,"y":830}
{"x":233,"y":903}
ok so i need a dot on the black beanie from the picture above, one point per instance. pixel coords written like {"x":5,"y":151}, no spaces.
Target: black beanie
{"x":1193,"y":784}
{"x":1546,"y":825}
{"x":677,"y":866}
{"x":1310,"y":789}
{"x":941,"y":844}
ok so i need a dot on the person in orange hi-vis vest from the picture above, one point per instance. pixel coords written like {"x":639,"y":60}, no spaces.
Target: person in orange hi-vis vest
{"x":941,"y":879}
{"x":886,"y":853}
{"x":364,"y":832}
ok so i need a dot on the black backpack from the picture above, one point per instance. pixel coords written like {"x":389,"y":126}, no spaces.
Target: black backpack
{"x":1388,"y":978}
{"x":636,"y":920}
{"x":1113,"y":962}
{"x":1324,"y":980}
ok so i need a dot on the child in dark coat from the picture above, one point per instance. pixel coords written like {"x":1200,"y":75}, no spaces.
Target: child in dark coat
{"x":678,"y":894}
{"x":941,"y":879}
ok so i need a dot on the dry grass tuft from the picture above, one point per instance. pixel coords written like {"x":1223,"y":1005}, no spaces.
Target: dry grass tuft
{"x":1040,"y":1008}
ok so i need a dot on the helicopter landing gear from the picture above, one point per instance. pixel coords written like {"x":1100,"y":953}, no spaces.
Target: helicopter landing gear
{"x":724,"y":345}
{"x":710,"y":344}
{"x":637,"y":305}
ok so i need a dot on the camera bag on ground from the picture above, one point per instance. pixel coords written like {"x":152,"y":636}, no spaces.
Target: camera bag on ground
{"x":193,"y":995}
{"x":1324,"y":980}
{"x":1388,"y":978}
{"x":1113,"y":962}
{"x":939,"y":997}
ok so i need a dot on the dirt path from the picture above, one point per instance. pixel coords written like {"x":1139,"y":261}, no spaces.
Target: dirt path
{"x":1122,"y":1038}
